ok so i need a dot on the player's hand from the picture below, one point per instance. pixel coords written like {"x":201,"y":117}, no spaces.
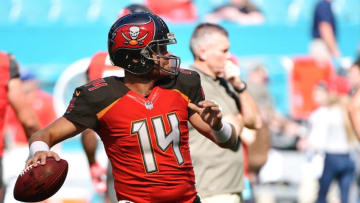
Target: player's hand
{"x":40,"y":158}
{"x":98,"y":177}
{"x":232,"y":74}
{"x":210,"y":112}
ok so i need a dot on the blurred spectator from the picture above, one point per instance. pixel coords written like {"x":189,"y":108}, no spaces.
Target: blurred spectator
{"x":282,"y":131}
{"x":285,"y":132}
{"x":219,"y":181}
{"x":258,"y":151}
{"x":354,"y":112}
{"x":176,"y":11}
{"x":279,"y":133}
{"x":306,"y":72}
{"x":354,"y":76}
{"x":354,"y":106}
{"x":258,"y":87}
{"x":11,"y":93}
{"x":40,"y":101}
{"x":330,"y":138}
{"x":243,"y":12}
{"x":324,"y":29}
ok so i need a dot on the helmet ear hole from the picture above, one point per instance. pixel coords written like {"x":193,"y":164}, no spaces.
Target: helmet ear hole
{"x":145,"y":52}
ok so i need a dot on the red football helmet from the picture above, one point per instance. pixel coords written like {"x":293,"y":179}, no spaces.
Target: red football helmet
{"x":136,"y":38}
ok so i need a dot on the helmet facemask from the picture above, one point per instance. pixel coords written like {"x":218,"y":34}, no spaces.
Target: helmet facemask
{"x":158,"y":48}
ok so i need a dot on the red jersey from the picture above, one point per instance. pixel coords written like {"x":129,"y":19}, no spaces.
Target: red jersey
{"x":8,"y":70}
{"x":146,"y":139}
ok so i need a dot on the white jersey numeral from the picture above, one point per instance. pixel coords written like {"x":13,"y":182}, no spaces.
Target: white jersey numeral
{"x":163,"y":140}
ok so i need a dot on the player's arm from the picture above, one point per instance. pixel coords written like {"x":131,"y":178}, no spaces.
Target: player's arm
{"x":18,"y":101}
{"x":42,"y":140}
{"x":78,"y":116}
{"x":22,"y":108}
{"x":248,"y":107}
{"x":327,"y":34}
{"x":89,"y":142}
{"x":208,"y":121}
{"x":354,"y":112}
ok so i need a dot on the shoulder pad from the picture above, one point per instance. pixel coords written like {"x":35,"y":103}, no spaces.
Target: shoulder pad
{"x":102,"y":88}
{"x":188,"y":77}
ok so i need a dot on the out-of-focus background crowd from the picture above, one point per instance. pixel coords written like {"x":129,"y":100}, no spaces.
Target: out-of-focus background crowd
{"x":273,"y":47}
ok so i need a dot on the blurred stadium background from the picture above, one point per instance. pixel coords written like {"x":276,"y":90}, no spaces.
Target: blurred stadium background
{"x":48,"y":36}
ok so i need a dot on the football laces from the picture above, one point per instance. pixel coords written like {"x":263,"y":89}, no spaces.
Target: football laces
{"x":28,"y":168}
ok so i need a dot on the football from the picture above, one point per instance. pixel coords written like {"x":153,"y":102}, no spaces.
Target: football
{"x":36,"y":184}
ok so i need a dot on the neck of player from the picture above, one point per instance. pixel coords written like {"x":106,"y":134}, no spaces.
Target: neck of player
{"x":141,"y":84}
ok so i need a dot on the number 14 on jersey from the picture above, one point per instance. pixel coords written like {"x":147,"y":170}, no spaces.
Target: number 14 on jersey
{"x":163,"y":140}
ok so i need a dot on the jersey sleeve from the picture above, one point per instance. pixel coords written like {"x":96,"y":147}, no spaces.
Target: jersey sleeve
{"x":193,"y":88}
{"x":93,"y":97}
{"x":80,"y":110}
{"x":197,"y":93}
{"x":13,"y":67}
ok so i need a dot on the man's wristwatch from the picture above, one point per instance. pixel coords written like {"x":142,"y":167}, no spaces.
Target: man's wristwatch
{"x":242,"y":88}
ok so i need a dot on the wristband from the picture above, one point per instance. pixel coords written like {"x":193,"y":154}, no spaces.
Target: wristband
{"x":240,"y":90}
{"x":224,"y":134}
{"x":38,"y":146}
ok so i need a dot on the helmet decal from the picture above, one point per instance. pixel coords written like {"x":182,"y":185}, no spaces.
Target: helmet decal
{"x":133,"y":35}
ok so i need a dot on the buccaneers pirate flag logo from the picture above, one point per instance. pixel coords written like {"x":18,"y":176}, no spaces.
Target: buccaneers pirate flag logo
{"x":133,"y":35}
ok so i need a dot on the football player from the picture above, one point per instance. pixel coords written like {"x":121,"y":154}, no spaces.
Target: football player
{"x":142,"y":119}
